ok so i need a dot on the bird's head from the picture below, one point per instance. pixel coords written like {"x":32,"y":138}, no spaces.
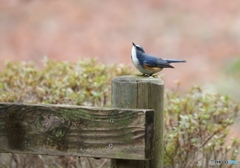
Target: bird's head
{"x":138,"y":47}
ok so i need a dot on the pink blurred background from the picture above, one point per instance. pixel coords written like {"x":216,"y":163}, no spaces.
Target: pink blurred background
{"x":206,"y":33}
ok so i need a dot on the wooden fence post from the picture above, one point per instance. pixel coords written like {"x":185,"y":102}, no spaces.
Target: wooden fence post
{"x":145,"y":93}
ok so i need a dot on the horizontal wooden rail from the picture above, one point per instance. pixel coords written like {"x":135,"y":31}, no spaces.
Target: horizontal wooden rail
{"x":75,"y":130}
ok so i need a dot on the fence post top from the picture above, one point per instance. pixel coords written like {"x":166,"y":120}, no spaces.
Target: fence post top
{"x":138,"y":78}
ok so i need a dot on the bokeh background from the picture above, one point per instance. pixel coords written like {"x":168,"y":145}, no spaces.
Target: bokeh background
{"x":206,"y":33}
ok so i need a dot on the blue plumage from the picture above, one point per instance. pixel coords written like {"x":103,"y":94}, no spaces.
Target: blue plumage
{"x":149,"y":64}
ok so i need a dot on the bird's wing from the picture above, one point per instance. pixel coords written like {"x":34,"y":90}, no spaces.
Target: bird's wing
{"x":163,"y":63}
{"x":149,"y":60}
{"x":152,"y":61}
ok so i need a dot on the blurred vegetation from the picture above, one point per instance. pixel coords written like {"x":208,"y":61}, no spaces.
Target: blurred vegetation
{"x":233,"y":67}
{"x":196,"y":124}
{"x":196,"y":128}
{"x":229,"y":80}
{"x":83,"y":83}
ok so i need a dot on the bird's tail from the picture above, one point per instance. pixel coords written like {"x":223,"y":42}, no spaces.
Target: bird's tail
{"x":174,"y":60}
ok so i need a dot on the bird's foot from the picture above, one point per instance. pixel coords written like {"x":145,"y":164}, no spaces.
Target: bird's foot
{"x":151,"y":76}
{"x":155,"y":76}
{"x":146,"y":75}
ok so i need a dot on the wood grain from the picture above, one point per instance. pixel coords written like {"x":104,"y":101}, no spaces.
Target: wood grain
{"x":75,"y":130}
{"x":141,"y":92}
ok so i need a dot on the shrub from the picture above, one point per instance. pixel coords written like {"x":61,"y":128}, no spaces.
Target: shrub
{"x":83,"y":83}
{"x":196,"y":128}
{"x":195,"y":123}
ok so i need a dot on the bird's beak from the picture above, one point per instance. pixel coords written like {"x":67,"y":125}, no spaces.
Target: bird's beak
{"x":133,"y":44}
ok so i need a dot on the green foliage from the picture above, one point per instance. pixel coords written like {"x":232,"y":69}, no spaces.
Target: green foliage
{"x":232,"y":67}
{"x":82,"y":83}
{"x":196,"y":128}
{"x":196,"y":124}
{"x":228,"y":82}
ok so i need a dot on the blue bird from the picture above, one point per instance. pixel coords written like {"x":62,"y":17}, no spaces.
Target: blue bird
{"x":149,"y":64}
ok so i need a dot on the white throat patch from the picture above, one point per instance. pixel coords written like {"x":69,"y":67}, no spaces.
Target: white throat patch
{"x":134,"y":56}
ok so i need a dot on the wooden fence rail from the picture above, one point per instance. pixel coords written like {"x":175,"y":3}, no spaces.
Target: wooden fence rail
{"x":130,"y":133}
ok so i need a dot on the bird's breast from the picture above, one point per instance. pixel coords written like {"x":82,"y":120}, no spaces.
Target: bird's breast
{"x":134,"y":57}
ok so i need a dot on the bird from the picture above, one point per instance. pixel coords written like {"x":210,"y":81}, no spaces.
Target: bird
{"x":149,"y":64}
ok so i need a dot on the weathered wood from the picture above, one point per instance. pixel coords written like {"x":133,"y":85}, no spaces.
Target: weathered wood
{"x":75,"y":130}
{"x":141,"y":92}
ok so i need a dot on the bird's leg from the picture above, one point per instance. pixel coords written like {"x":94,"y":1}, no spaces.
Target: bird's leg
{"x":146,"y":75}
{"x":155,"y":76}
{"x":150,"y":76}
